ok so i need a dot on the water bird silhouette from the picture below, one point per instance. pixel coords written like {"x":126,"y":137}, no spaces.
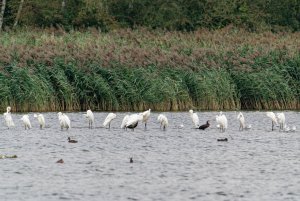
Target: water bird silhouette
{"x":72,"y":141}
{"x":204,"y":126}
{"x":222,"y":139}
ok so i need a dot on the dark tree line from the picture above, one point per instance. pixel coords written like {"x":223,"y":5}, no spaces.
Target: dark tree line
{"x":186,"y":15}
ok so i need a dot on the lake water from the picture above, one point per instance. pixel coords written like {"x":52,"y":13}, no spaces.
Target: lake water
{"x":176,"y":164}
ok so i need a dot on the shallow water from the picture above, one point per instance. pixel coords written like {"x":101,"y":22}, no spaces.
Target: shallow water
{"x":176,"y":164}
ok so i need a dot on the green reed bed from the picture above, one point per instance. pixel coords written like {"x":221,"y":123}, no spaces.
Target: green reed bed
{"x":124,"y":70}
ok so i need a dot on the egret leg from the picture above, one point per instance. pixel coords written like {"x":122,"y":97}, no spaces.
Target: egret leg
{"x":272,"y":125}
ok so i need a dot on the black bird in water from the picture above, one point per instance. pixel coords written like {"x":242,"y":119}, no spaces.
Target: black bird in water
{"x":132,"y":126}
{"x":131,"y":160}
{"x":204,"y":126}
{"x":72,"y":141}
{"x":222,"y":139}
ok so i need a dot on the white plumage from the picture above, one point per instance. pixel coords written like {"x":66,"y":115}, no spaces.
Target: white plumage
{"x":146,"y":116}
{"x":163,"y":120}
{"x":26,"y":121}
{"x":281,"y":120}
{"x":90,"y":117}
{"x":222,"y":122}
{"x":108,"y":119}
{"x":194,"y":118}
{"x":241,"y":119}
{"x":125,"y":120}
{"x":64,"y":121}
{"x":8,"y":118}
{"x":133,"y":120}
{"x":40,"y":119}
{"x":272,"y":116}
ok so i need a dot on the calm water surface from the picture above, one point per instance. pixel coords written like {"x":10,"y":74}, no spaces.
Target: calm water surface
{"x":176,"y":164}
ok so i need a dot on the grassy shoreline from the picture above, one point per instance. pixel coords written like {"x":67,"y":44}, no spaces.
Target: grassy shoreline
{"x":227,"y":69}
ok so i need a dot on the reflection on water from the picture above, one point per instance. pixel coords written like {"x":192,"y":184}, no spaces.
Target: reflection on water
{"x":176,"y":164}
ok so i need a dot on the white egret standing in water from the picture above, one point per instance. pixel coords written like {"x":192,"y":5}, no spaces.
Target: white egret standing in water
{"x":8,"y":118}
{"x":163,"y":120}
{"x":40,"y":119}
{"x":108,"y":119}
{"x":90,"y":117}
{"x":146,"y":116}
{"x":281,"y":120}
{"x":194,"y":118}
{"x":64,"y":121}
{"x":222,"y":121}
{"x":26,"y":121}
{"x":125,"y":120}
{"x":272,"y":116}
{"x":241,"y":119}
{"x":133,"y":120}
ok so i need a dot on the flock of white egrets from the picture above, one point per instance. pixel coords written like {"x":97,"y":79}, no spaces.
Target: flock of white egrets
{"x":222,"y":123}
{"x":131,"y":121}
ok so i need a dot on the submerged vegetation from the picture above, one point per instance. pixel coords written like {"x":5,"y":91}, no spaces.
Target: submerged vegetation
{"x":226,"y":69}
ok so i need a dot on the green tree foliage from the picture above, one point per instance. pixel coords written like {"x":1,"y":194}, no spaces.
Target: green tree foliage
{"x":162,"y":14}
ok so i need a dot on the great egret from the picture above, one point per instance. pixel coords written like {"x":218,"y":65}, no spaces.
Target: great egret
{"x":204,"y":126}
{"x":163,"y":120}
{"x":241,"y":119}
{"x":195,"y":118}
{"x":90,"y":117}
{"x":26,"y":121}
{"x":41,"y":120}
{"x":273,"y":118}
{"x":146,"y":116}
{"x":222,"y":121}
{"x":281,"y":120}
{"x":133,"y":120}
{"x":108,"y":119}
{"x":125,"y":120}
{"x":64,"y":121}
{"x":8,"y":118}
{"x":8,"y":109}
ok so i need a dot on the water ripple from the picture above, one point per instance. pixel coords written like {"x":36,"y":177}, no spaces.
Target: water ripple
{"x":176,"y":164}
